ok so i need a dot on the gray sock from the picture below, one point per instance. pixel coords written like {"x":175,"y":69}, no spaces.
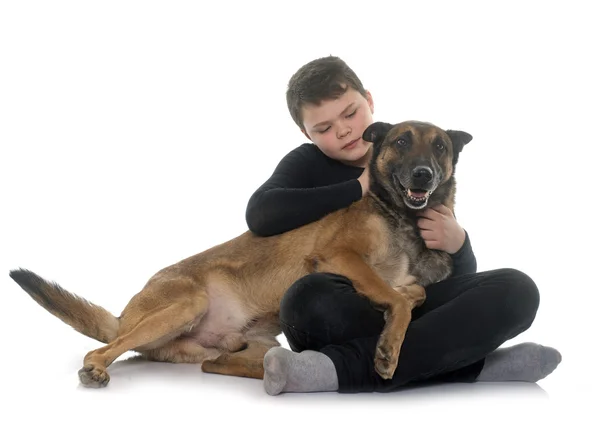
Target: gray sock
{"x":308,"y":371}
{"x":522,"y":362}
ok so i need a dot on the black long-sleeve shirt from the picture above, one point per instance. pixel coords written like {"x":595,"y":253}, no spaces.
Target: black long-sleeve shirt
{"x":307,"y":185}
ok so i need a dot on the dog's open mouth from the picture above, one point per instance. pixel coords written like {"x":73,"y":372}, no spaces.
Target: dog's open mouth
{"x":415,"y":198}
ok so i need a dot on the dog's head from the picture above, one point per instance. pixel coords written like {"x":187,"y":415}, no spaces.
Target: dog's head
{"x":415,"y":161}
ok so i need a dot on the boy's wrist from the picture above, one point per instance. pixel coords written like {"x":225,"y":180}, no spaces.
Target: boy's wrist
{"x":462,"y":238}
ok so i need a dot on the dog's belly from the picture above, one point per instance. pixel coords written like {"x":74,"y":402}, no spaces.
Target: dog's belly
{"x":225,"y":316}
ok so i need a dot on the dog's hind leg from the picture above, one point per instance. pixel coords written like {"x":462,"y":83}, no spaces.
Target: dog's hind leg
{"x":245,"y":363}
{"x":182,"y":350}
{"x":159,"y":314}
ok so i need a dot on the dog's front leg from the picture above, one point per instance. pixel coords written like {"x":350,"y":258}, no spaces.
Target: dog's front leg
{"x":396,"y":305}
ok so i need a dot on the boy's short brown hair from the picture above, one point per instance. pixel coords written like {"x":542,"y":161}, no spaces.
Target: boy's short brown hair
{"x":326,"y":78}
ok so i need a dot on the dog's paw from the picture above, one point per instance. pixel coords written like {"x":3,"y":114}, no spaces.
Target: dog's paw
{"x":386,"y":361}
{"x":93,"y":377}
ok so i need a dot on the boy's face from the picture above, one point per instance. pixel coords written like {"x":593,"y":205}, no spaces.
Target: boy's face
{"x":336,"y":127}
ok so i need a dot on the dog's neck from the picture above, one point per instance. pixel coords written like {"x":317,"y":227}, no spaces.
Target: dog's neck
{"x":396,"y":212}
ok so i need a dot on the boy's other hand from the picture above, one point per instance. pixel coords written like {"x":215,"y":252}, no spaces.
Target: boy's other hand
{"x":440,"y":230}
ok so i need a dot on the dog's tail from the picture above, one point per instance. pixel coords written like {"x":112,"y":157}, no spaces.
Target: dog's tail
{"x":89,"y":319}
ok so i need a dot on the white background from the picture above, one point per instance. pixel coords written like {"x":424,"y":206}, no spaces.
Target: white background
{"x":133,"y":134}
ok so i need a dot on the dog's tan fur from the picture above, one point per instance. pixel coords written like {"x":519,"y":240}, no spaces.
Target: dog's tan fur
{"x":220,"y":307}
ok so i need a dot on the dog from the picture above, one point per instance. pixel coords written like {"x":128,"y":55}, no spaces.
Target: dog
{"x":220,"y":307}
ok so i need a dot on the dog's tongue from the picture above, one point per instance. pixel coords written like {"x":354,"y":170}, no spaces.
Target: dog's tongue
{"x":417,"y":194}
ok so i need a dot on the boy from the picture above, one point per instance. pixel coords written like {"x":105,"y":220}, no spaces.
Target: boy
{"x":333,"y":331}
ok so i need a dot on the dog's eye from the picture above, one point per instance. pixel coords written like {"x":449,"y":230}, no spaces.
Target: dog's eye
{"x":440,"y":146}
{"x":404,"y":139}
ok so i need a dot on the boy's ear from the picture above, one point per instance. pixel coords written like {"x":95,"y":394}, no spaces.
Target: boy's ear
{"x":376,"y":132}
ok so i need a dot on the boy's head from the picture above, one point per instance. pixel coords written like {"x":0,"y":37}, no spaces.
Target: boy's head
{"x":332,"y":108}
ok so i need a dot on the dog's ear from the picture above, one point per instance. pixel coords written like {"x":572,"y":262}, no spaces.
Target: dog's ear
{"x":459,"y":139}
{"x":376,"y":132}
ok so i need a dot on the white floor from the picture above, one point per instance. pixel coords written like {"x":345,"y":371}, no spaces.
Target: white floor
{"x":42,"y":382}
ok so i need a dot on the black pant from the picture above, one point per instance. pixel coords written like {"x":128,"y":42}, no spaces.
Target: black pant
{"x":463,"y":319}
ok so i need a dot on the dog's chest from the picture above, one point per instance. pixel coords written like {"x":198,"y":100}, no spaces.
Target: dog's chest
{"x":395,"y":254}
{"x":395,"y":270}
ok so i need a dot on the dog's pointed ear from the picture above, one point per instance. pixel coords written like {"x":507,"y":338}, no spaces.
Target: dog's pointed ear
{"x":376,"y":132}
{"x":459,"y":139}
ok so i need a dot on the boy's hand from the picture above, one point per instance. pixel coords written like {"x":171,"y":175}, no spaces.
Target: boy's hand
{"x":364,"y":181}
{"x":440,"y":230}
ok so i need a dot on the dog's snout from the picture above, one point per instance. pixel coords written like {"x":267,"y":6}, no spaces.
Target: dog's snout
{"x":422,"y":174}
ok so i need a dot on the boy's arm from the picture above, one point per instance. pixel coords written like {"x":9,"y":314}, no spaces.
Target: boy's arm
{"x":464,"y":261}
{"x":287,"y":199}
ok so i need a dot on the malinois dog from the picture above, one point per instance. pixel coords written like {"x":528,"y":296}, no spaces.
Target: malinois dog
{"x":220,"y":307}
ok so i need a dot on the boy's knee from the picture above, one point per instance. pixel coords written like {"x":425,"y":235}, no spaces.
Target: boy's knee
{"x":522,"y":294}
{"x":304,"y":300}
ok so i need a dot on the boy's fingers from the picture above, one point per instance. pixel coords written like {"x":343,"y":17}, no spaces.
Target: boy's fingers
{"x":433,"y":244}
{"x":425,"y":223}
{"x":428,"y":214}
{"x":428,"y":235}
{"x":440,"y":208}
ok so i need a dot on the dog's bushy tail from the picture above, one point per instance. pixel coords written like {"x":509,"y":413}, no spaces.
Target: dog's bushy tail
{"x":89,"y":319}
